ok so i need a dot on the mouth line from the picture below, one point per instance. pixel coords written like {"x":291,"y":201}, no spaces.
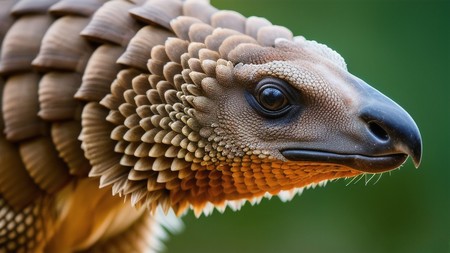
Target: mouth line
{"x":370,"y":164}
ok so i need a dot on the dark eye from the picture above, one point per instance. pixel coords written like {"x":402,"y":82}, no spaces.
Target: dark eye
{"x":272,"y":98}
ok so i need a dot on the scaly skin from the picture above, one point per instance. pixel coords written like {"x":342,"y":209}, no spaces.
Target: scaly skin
{"x":115,"y":111}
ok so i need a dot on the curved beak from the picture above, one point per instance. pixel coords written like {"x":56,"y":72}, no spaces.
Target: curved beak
{"x":395,"y":129}
{"x":384,"y":137}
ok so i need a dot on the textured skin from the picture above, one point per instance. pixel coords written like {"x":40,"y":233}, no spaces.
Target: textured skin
{"x":113,"y":110}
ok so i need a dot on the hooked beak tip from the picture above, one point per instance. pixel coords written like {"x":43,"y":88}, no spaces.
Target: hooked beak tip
{"x":417,"y":156}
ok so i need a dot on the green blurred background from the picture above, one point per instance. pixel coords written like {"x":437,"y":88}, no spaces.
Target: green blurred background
{"x":403,"y":49}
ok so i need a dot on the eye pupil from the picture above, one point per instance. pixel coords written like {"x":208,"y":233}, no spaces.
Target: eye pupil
{"x":272,"y":98}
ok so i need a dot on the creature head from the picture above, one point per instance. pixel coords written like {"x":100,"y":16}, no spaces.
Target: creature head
{"x":226,"y":115}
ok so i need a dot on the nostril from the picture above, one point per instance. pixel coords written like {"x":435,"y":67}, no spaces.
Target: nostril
{"x":378,"y":131}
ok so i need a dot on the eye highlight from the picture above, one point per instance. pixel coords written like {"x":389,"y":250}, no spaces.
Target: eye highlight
{"x":273,"y":97}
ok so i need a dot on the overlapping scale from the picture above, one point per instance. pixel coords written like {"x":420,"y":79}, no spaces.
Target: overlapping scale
{"x":112,"y":24}
{"x":19,"y":48}
{"x":76,"y":7}
{"x":56,"y":91}
{"x":62,"y":47}
{"x":43,"y":164}
{"x":25,"y":228}
{"x":140,"y":46}
{"x":23,"y":7}
{"x":158,"y":12}
{"x":267,"y":35}
{"x":199,"y":31}
{"x":180,"y":26}
{"x":96,"y":142}
{"x":254,"y":24}
{"x":199,"y":9}
{"x":16,"y":186}
{"x":65,"y":137}
{"x":5,"y":19}
{"x":20,"y":107}
{"x":100,"y":71}
{"x":229,"y":19}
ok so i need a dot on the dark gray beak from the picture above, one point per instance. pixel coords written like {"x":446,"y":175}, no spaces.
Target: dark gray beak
{"x":386,"y":136}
